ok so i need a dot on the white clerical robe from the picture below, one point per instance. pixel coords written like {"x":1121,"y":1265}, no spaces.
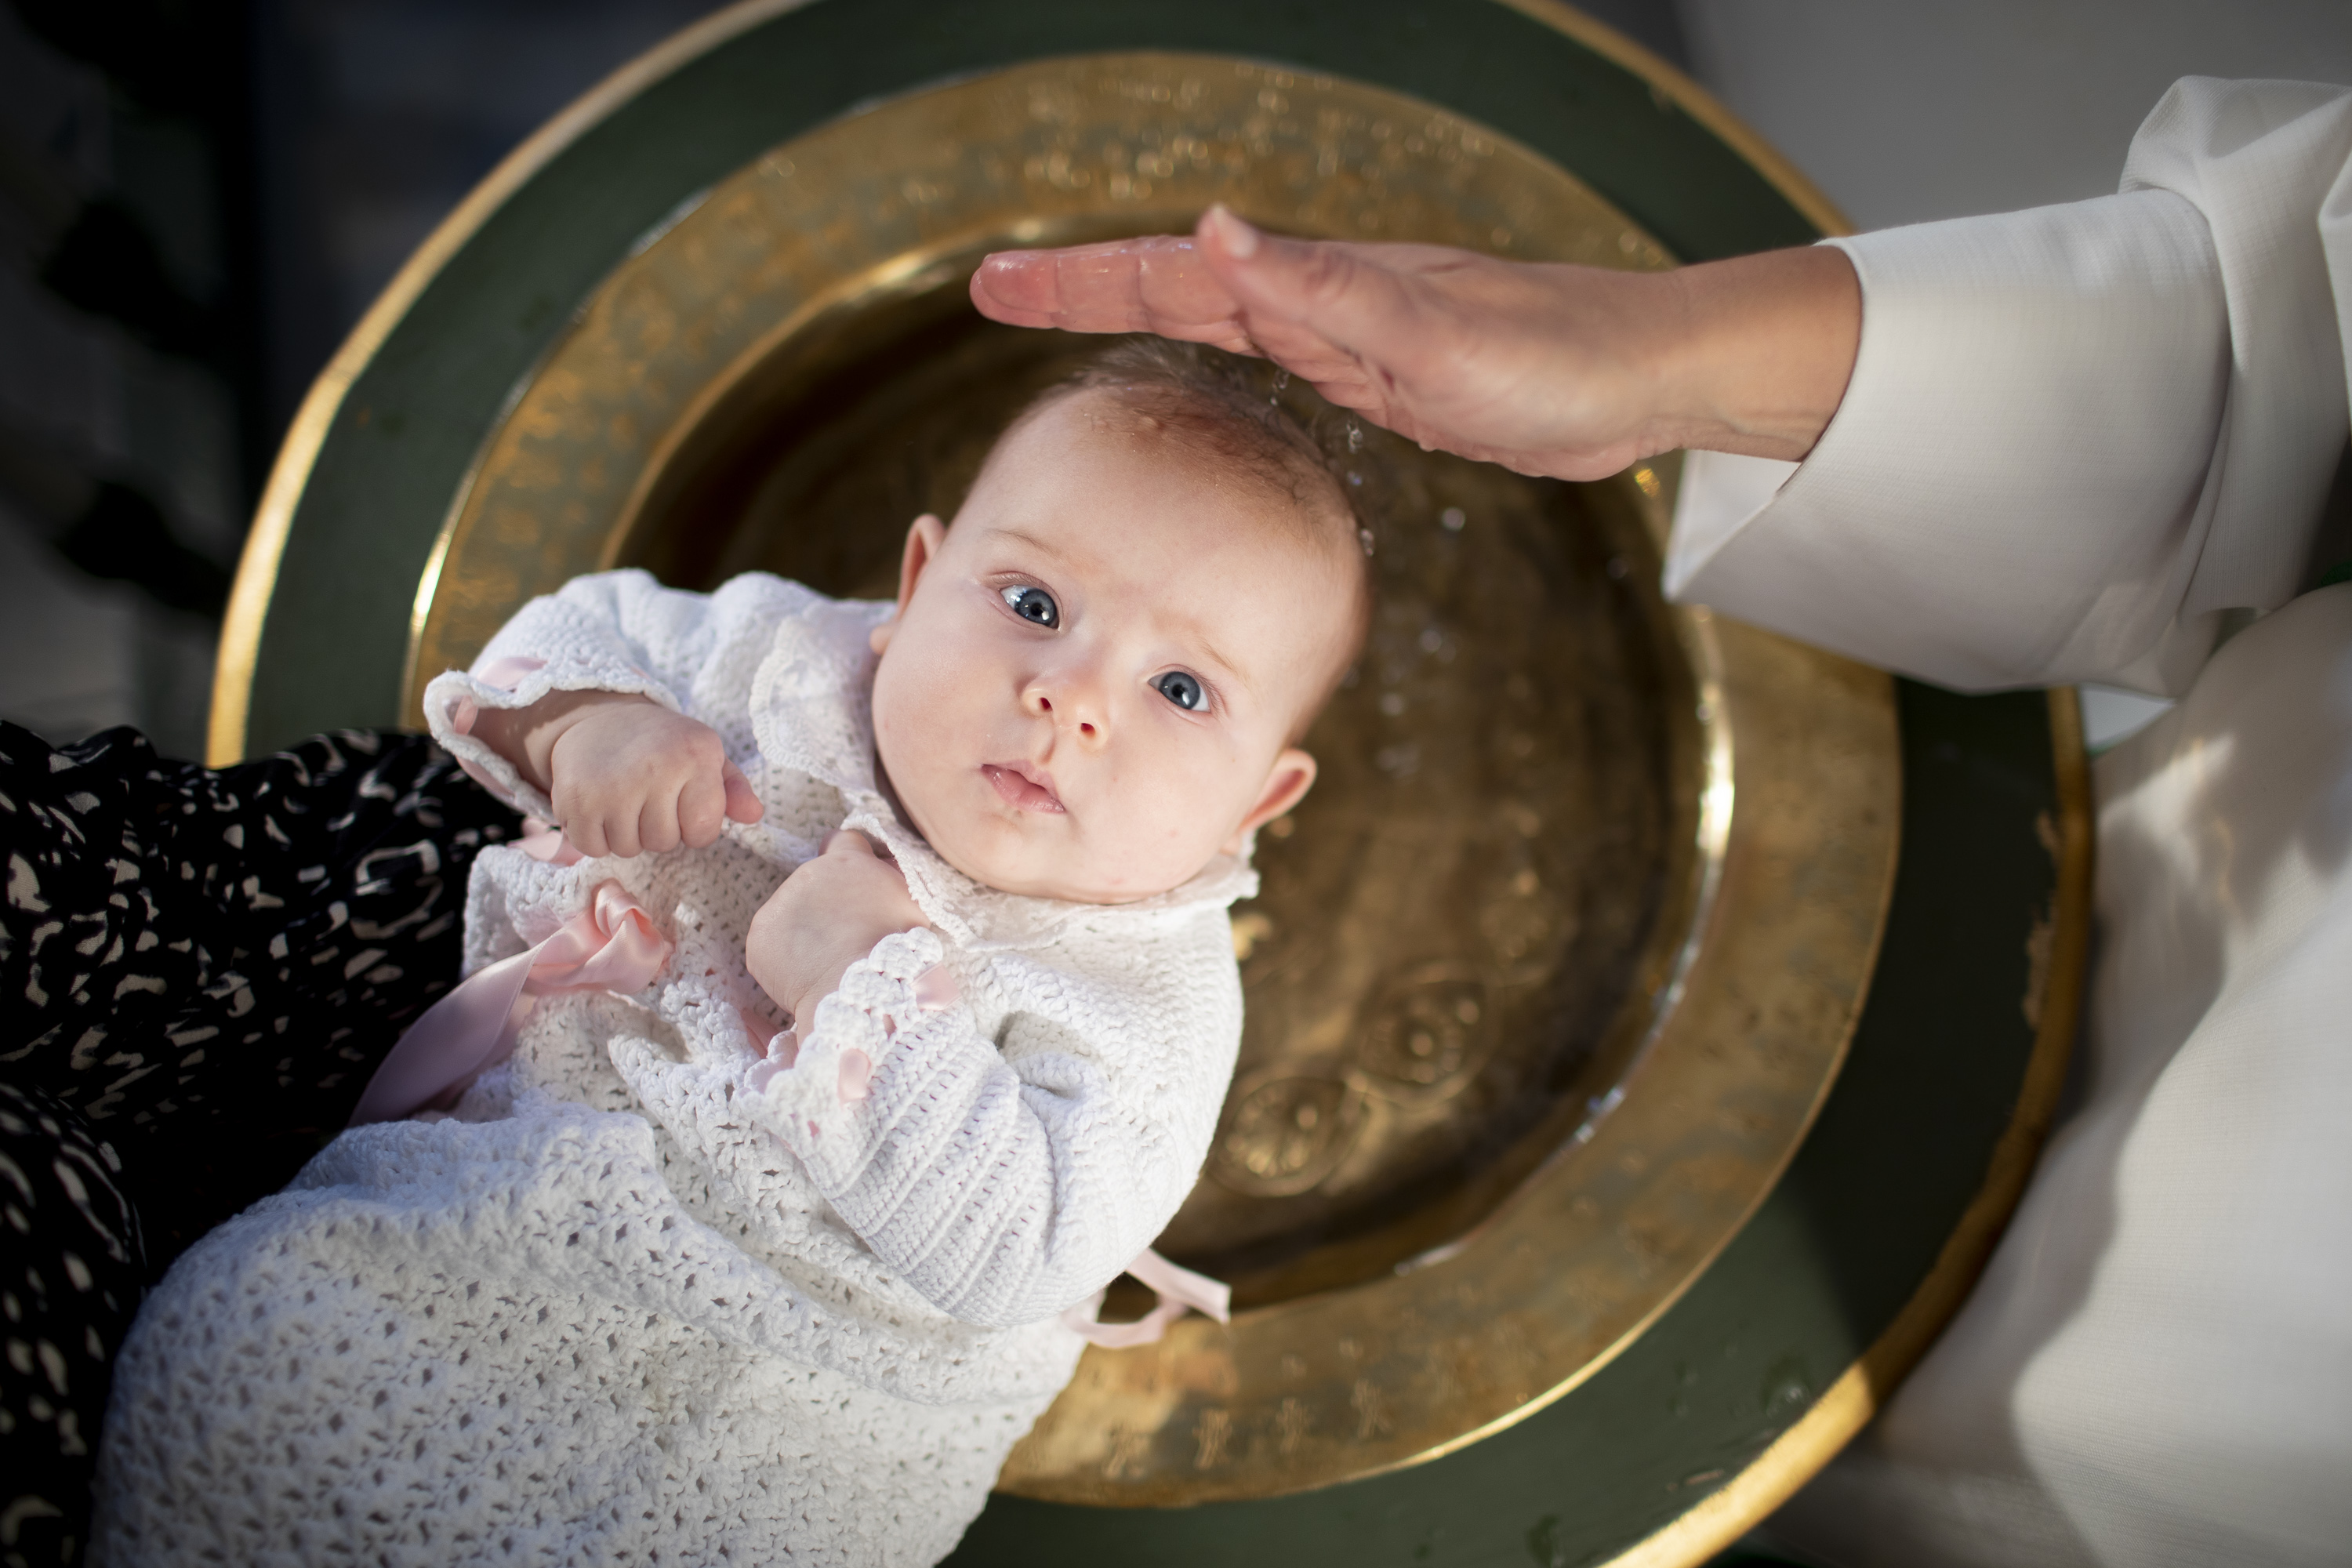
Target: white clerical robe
{"x":2076,"y":440}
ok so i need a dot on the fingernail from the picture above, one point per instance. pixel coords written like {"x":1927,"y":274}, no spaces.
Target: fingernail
{"x":1239,"y":238}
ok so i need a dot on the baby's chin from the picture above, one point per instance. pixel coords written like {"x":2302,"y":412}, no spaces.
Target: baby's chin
{"x":995,"y":858}
{"x":1025,"y":876}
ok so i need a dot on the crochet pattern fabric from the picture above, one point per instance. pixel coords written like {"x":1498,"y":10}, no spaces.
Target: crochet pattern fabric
{"x":642,"y":1297}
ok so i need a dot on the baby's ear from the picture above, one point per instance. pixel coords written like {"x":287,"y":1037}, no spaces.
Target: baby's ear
{"x":1286,"y":783}
{"x":925,"y":537}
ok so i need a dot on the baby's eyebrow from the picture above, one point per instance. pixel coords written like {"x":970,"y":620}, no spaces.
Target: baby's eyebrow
{"x":1210,"y":650}
{"x":1032,"y":541}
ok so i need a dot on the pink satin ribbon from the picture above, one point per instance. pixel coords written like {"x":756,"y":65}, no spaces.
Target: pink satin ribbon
{"x":611,"y":945}
{"x":1180,"y":1291}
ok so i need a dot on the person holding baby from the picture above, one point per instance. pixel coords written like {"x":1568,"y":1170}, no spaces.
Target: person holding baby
{"x":778,"y":1251}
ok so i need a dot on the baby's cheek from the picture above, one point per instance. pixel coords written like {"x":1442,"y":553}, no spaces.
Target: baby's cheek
{"x":1170,"y":838}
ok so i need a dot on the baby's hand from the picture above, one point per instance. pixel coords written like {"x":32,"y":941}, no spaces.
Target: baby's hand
{"x":826,"y":916}
{"x":625,"y":775}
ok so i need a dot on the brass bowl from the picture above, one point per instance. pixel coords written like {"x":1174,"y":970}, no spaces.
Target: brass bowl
{"x":1551,"y":972}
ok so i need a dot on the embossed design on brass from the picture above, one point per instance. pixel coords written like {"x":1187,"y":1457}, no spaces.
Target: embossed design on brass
{"x":1285,"y":1135}
{"x":1428,"y":1036}
{"x":1548,"y":976}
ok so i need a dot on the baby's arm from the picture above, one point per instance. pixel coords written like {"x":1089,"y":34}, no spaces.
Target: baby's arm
{"x":1005,"y":1185}
{"x":1004,"y":1180}
{"x":588,"y":707}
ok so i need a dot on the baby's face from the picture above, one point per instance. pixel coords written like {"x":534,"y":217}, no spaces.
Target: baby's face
{"x":1089,"y":687}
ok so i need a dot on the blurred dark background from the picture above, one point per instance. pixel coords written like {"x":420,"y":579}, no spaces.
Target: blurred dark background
{"x":198,"y":198}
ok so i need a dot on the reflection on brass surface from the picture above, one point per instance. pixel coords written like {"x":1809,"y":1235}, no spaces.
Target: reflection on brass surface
{"x":1549,"y":974}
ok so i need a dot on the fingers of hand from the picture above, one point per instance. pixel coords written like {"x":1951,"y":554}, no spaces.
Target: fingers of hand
{"x":1324,"y":291}
{"x":1017,"y":286}
{"x":1453,"y":348}
{"x":1330,"y":313}
{"x":847,"y":841}
{"x":1087,"y":288}
{"x":641,"y":779}
{"x":743,"y":805}
{"x":1179,"y":297}
{"x":613,"y":831}
{"x":701,"y":809}
{"x":1302,"y":304}
{"x":657,"y":825}
{"x":1222,"y":229}
{"x":1155,"y":284}
{"x":585,"y":830}
{"x":598,"y":820}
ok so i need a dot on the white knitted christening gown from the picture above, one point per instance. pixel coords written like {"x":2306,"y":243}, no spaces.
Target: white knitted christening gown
{"x":623,"y":1306}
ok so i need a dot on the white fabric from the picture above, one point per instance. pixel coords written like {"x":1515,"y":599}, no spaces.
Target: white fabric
{"x":2157,"y":1368}
{"x":633,"y":1302}
{"x":2066,"y":578}
{"x":2074,"y":436}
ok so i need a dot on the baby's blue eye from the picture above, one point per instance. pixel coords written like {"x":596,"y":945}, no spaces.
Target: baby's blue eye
{"x":1182,"y":689}
{"x":1033,"y":604}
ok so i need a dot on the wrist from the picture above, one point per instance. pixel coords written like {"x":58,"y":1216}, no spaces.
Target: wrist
{"x":526,"y":737}
{"x":1761,"y":352}
{"x":832,"y":975}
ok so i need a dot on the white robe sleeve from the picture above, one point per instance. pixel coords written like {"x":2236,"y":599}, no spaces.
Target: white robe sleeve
{"x":2074,"y":436}
{"x":613,"y":631}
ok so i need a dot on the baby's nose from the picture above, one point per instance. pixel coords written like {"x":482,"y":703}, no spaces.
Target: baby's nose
{"x":1072,"y":707}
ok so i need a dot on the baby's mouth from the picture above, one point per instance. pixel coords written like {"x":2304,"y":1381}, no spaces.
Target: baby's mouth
{"x":1023,"y":786}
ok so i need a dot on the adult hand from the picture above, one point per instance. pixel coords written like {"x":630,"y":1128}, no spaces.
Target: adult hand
{"x":625,"y":775}
{"x":1570,"y":371}
{"x":828,"y":914}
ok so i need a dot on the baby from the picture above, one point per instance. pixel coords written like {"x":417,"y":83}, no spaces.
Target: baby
{"x":673,"y":1280}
